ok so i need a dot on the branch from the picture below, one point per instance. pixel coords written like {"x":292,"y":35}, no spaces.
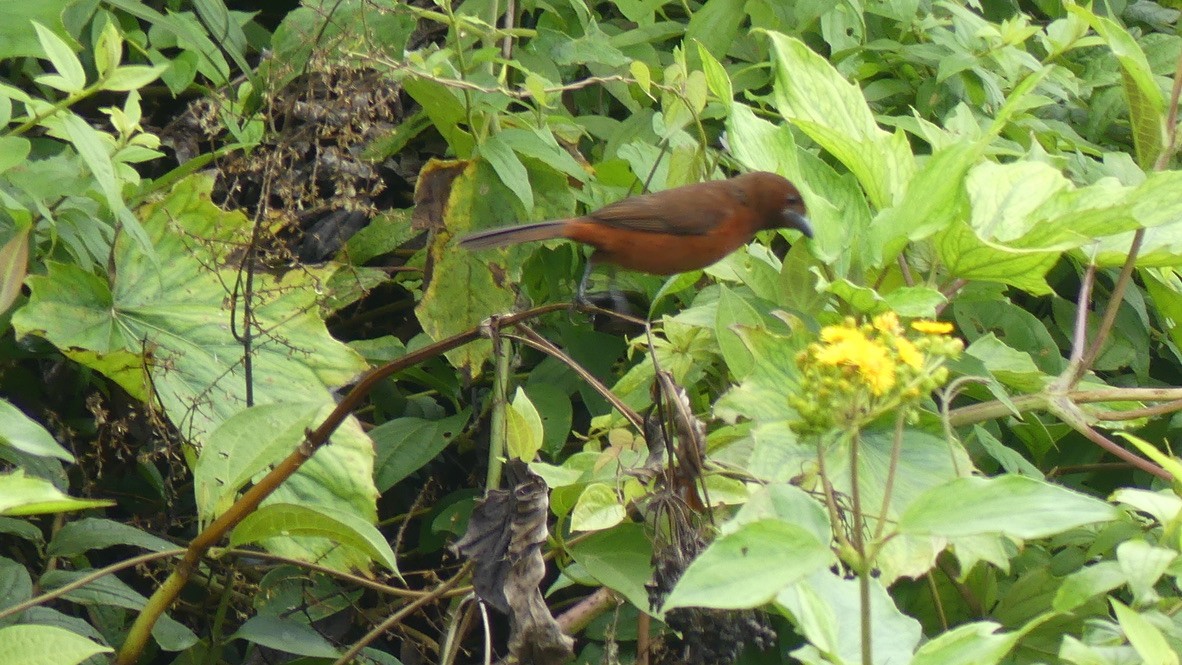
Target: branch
{"x":439,"y":592}
{"x":969,"y":415}
{"x":167,"y":593}
{"x":1070,"y":413}
{"x":87,"y":579}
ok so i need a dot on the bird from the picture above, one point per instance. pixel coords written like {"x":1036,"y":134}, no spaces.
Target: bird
{"x":672,"y":231}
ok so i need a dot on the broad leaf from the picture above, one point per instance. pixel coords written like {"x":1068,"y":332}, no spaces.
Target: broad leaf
{"x":47,"y":645}
{"x":749,"y":566}
{"x":1012,"y":505}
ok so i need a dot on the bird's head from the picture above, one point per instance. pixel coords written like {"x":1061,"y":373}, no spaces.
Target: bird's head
{"x":777,"y":200}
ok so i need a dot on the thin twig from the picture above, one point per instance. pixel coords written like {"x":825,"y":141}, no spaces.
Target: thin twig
{"x":1143,"y":412}
{"x":1080,"y":338}
{"x":533,"y":339}
{"x":357,"y":580}
{"x":401,"y":614}
{"x":1069,"y":413}
{"x":96,"y":574}
{"x":1114,"y":302}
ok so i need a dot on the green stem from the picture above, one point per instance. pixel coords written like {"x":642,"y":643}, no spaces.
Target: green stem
{"x":498,"y":423}
{"x":57,"y":107}
{"x":857,"y":537}
{"x":889,"y":486}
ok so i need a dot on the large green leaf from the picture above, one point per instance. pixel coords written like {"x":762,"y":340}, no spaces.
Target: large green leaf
{"x":47,"y":645}
{"x":171,"y":634}
{"x":283,"y":520}
{"x":1016,"y":506}
{"x":749,"y":566}
{"x":165,"y":331}
{"x":26,"y":495}
{"x":404,"y":445}
{"x":27,"y":435}
{"x":812,"y":95}
{"x":245,"y":445}
{"x":620,"y":559}
{"x":976,"y":643}
{"x":1145,"y":99}
{"x":827,"y":611}
{"x":925,"y":462}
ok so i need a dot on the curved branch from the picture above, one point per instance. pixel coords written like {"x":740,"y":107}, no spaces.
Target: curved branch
{"x":167,"y":593}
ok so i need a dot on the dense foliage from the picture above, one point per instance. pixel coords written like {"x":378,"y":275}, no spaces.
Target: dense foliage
{"x":252,"y":392}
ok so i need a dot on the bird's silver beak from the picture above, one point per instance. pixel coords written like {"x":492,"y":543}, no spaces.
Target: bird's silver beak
{"x":795,"y":220}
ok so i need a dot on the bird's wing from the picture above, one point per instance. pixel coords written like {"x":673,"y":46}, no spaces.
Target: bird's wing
{"x":691,"y":210}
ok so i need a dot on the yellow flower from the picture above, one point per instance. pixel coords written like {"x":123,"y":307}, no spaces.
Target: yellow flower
{"x":835,"y":334}
{"x":871,"y":361}
{"x":887,"y":322}
{"x":908,"y":353}
{"x":932,"y":327}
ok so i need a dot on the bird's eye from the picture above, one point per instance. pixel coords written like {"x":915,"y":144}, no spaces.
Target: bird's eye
{"x":794,"y":200}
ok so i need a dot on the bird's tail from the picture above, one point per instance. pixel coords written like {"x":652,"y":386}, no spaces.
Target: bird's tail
{"x":511,"y":235}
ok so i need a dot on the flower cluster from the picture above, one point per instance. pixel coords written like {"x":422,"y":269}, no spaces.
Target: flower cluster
{"x":855,"y":373}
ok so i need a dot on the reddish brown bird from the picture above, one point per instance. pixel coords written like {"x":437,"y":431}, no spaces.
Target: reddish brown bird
{"x":673,"y":231}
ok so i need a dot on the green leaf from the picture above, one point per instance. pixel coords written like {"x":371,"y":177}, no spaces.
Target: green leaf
{"x":108,"y":49}
{"x":445,"y":110}
{"x":1011,"y":367}
{"x":245,"y":445}
{"x":27,"y":435}
{"x":716,"y":77}
{"x":16,"y":586}
{"x":509,"y":169}
{"x":92,"y":533}
{"x":598,"y":508}
{"x":812,"y":95}
{"x":25,"y":495}
{"x":619,"y":559}
{"x":1145,"y":637}
{"x":1143,"y":565}
{"x":170,"y":634}
{"x":977,"y":643}
{"x":470,"y":286}
{"x":14,"y":258}
{"x":132,"y":77}
{"x":1011,"y":460}
{"x":933,"y":200}
{"x":1163,"y":506}
{"x":1146,"y":102}
{"x":715,"y":26}
{"x":543,"y":147}
{"x":761,"y":394}
{"x":749,"y":566}
{"x":827,"y":610}
{"x":179,"y":313}
{"x":735,"y":312}
{"x":523,"y":428}
{"x":286,"y":635}
{"x":1087,"y":583}
{"x":94,"y":149}
{"x":761,"y":145}
{"x":13,"y":151}
{"x":1016,"y":506}
{"x":290,"y":520}
{"x":1004,"y":196}
{"x":405,"y":445}
{"x":68,"y":67}
{"x":784,"y":502}
{"x":967,"y":257}
{"x":46,"y":645}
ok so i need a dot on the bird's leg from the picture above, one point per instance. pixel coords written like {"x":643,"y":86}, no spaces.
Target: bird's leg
{"x":619,"y":302}
{"x":581,"y":293}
